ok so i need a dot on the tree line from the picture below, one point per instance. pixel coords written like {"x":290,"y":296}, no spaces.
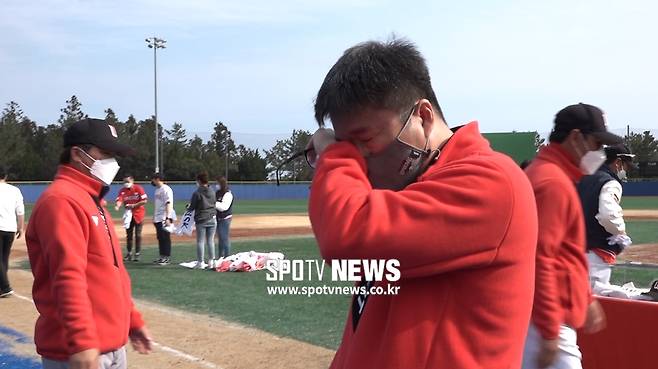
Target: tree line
{"x":31,"y":151}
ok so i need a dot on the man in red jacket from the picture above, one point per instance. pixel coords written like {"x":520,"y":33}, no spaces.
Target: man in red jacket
{"x":563,"y":302}
{"x":395,"y":182}
{"x":81,"y":288}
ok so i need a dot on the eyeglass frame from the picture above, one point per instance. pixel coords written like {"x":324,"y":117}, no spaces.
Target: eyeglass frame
{"x":311,"y":164}
{"x":296,"y":155}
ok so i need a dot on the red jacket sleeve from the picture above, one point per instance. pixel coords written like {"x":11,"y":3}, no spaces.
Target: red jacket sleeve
{"x":547,"y":310}
{"x":65,"y":254}
{"x":444,"y":222}
{"x":142,"y":194}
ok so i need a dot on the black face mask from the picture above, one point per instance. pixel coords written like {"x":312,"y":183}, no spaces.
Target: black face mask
{"x":400,"y":163}
{"x":153,"y":184}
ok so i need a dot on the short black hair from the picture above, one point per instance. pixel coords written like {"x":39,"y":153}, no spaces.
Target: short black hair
{"x":3,"y":172}
{"x":385,"y":75}
{"x":128,"y":175}
{"x":157,"y":176}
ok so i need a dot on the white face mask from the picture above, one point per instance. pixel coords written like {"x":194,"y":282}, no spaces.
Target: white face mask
{"x":592,"y":161}
{"x":104,"y":170}
{"x":127,"y":185}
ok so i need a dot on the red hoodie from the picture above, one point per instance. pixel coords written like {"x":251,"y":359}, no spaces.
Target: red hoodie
{"x":562,"y":291}
{"x":465,"y":235}
{"x":81,"y":288}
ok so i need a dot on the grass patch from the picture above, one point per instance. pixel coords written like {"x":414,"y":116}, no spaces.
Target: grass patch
{"x":642,"y":231}
{"x":639,"y":202}
{"x":641,"y":277}
{"x":242,"y":297}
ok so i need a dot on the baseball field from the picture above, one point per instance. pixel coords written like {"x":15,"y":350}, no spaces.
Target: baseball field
{"x":203,"y":319}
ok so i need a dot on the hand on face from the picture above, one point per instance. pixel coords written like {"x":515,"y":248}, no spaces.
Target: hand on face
{"x":322,"y":138}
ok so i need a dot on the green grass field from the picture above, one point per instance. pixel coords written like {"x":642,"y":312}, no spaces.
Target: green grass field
{"x":642,"y":231}
{"x":641,"y":277}
{"x":301,"y":206}
{"x":242,"y":297}
{"x":640,"y":202}
{"x":319,"y":320}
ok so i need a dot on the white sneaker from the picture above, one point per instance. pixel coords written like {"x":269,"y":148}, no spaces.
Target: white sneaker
{"x":211,"y":264}
{"x":200,"y":265}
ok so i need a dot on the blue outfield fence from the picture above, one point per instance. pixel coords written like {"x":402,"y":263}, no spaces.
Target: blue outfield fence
{"x":643,"y":188}
{"x":184,"y":191}
{"x":270,"y":191}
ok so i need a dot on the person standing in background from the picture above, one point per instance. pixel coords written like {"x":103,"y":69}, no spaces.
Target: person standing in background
{"x":600,"y":195}
{"x":224,"y":207}
{"x":133,"y":198}
{"x":163,"y":216}
{"x":203,"y":204}
{"x":12,"y":222}
{"x":563,"y":302}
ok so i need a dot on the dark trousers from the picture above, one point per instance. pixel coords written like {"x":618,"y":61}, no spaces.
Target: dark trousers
{"x":223,"y":233}
{"x":164,"y":239}
{"x":136,"y":229}
{"x":6,"y":240}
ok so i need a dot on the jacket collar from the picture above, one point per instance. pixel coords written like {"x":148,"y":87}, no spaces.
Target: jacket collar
{"x":86,"y":183}
{"x":606,"y":169}
{"x":554,"y":153}
{"x":465,"y":141}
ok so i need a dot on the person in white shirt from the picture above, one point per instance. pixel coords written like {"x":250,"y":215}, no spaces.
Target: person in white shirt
{"x":600,"y":195}
{"x":12,"y":222}
{"x":224,"y":207}
{"x":163,"y":217}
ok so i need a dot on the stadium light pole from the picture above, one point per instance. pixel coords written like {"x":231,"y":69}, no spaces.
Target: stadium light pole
{"x":155,"y":44}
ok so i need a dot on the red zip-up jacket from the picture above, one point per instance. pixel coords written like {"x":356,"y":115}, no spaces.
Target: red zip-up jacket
{"x":562,"y":291}
{"x":465,"y":235}
{"x":81,"y":288}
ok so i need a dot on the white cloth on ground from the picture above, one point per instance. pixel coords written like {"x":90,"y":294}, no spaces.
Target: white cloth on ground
{"x":241,"y":262}
{"x":627,"y":291}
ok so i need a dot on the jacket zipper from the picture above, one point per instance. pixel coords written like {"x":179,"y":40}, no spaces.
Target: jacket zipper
{"x":107,"y":228}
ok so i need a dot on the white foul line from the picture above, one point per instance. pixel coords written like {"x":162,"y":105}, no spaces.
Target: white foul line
{"x":167,"y":349}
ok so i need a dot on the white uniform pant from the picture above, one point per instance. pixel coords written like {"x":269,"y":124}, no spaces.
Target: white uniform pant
{"x":599,"y":270}
{"x":568,"y":355}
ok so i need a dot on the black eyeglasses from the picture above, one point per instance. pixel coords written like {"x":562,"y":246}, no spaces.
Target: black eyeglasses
{"x":309,"y":155}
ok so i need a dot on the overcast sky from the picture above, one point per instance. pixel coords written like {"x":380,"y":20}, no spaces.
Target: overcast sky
{"x":257,"y":65}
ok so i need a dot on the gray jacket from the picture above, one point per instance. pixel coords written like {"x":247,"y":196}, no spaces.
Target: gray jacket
{"x":203,"y":203}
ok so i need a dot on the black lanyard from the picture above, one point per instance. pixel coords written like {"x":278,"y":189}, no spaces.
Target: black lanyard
{"x":107,"y":228}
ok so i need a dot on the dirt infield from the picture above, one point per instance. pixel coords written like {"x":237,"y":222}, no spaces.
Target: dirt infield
{"x":640,"y":214}
{"x":188,"y":340}
{"x":646,"y":253}
{"x":242,"y":226}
